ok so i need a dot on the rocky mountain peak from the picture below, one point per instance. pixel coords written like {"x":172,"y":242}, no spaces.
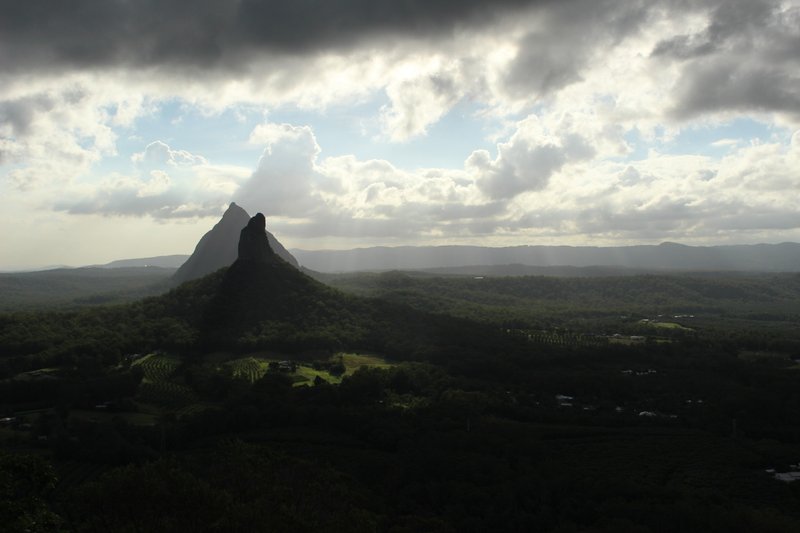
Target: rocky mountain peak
{"x":220,"y":247}
{"x":253,"y":242}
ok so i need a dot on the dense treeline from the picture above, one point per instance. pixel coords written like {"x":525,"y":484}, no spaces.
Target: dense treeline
{"x":756,"y":311}
{"x":775,"y":297}
{"x":66,"y":288}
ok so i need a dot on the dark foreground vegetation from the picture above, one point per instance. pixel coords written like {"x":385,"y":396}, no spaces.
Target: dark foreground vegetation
{"x":266,"y":401}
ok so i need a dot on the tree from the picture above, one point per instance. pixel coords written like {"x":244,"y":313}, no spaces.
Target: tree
{"x":25,"y":482}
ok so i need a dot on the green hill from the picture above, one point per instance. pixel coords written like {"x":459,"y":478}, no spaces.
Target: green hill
{"x":80,"y":287}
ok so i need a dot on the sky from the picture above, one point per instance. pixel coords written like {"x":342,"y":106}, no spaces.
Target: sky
{"x":127,"y":127}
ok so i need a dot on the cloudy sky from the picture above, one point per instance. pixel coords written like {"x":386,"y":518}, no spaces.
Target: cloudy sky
{"x":127,"y":127}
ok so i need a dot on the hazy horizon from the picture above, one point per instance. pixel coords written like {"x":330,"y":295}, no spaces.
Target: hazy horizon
{"x":126,"y":129}
{"x":355,"y":267}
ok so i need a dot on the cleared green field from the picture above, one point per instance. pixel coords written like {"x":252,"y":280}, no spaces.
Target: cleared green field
{"x":249,"y":368}
{"x":157,"y":367}
{"x":254,"y":366}
{"x":157,"y":388}
{"x":36,"y":374}
{"x":160,"y":389}
{"x":351,"y":363}
{"x":310,"y":374}
{"x":354,"y":361}
{"x":670,"y":325}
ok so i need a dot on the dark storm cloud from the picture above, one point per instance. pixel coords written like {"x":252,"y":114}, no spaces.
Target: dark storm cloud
{"x":729,"y":21}
{"x":571,"y":34}
{"x":20,"y":114}
{"x":746,"y":58}
{"x":726,"y":85}
{"x":214,"y":33}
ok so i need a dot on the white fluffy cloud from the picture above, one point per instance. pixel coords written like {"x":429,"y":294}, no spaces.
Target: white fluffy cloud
{"x":286,"y":181}
{"x":530,"y":157}
{"x":420,"y":94}
{"x":671,"y":197}
{"x":345,"y":197}
{"x":167,"y":184}
{"x":51,"y":135}
{"x":680,"y":197}
{"x":159,"y":154}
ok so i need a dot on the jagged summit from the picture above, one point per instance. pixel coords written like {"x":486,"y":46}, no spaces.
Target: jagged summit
{"x":253,"y":242}
{"x":259,"y":291}
{"x":260,"y":299}
{"x":219,"y":247}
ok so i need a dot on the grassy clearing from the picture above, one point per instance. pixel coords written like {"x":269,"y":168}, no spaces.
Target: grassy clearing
{"x":157,"y":367}
{"x":351,"y":363}
{"x":249,"y":368}
{"x":157,"y":388}
{"x":670,"y":325}
{"x":310,"y":374}
{"x":255,"y":365}
{"x":36,"y":374}
{"x":354,"y":361}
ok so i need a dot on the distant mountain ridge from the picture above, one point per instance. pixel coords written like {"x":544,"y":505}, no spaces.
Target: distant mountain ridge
{"x":161,"y":261}
{"x":784,"y":257}
{"x":218,"y":248}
